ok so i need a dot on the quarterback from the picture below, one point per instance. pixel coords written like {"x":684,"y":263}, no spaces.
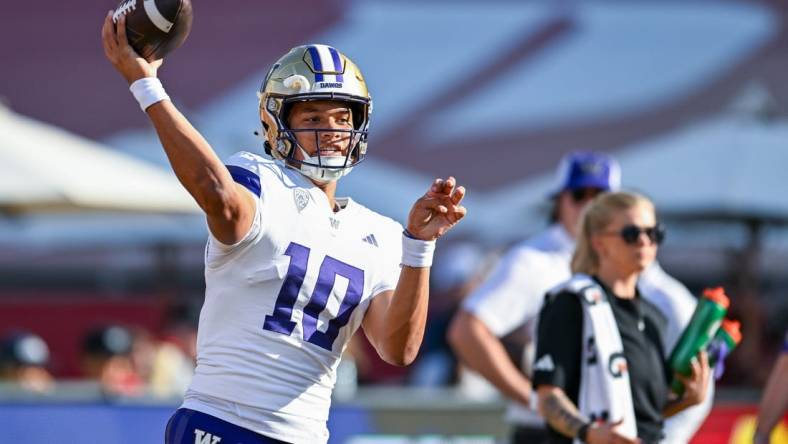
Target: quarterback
{"x":291,"y":270}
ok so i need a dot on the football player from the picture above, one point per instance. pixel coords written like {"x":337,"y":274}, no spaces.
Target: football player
{"x":291,"y":270}
{"x":515,"y":290}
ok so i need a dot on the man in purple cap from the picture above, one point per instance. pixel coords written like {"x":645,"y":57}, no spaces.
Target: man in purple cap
{"x":514,"y":291}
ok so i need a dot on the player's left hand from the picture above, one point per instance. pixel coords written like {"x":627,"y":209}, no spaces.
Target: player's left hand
{"x":437,"y":211}
{"x":696,"y":386}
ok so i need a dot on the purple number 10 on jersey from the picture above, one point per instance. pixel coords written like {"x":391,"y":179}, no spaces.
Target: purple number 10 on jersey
{"x":281,"y":319}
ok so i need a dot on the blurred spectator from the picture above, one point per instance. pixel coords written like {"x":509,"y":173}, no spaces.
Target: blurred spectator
{"x":600,"y":369}
{"x":177,"y":352}
{"x":180,"y":329}
{"x":106,"y":358}
{"x":774,"y":402}
{"x":165,"y":369}
{"x":143,"y":352}
{"x":24,"y":358}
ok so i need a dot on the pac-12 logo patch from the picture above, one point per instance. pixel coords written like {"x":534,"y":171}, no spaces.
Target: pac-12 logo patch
{"x":301,"y":198}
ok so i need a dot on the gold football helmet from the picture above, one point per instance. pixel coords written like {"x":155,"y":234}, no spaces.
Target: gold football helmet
{"x":306,"y":73}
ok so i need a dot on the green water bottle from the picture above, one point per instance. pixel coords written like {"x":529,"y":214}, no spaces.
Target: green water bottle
{"x":702,"y":327}
{"x":728,"y":336}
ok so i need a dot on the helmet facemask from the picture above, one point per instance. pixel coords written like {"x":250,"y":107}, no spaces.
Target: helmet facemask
{"x":321,"y":167}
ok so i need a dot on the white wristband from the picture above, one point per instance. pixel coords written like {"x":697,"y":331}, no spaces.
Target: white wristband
{"x":416,"y":252}
{"x":147,"y":91}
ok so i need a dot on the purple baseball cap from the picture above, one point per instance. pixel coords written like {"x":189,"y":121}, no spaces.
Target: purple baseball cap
{"x":587,"y":169}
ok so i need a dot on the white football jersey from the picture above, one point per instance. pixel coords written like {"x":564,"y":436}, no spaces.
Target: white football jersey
{"x":282,"y":304}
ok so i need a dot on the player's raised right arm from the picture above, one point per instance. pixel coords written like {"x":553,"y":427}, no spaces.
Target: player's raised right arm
{"x":228,"y":207}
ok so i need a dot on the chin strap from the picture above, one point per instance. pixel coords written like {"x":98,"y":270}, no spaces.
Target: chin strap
{"x":309,"y":167}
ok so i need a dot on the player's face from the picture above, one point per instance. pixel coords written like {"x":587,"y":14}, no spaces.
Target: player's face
{"x":324,"y":116}
{"x":631,"y":255}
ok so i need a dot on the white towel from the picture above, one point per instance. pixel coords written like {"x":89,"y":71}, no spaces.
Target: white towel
{"x":605,"y":392}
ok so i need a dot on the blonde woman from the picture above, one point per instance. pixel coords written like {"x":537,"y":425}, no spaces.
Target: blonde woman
{"x":600,"y":371}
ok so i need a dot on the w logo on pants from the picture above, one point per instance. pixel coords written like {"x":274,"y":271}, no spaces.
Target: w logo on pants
{"x":200,"y":437}
{"x":187,"y":426}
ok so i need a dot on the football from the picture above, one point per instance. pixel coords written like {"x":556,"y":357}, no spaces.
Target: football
{"x":155,"y":27}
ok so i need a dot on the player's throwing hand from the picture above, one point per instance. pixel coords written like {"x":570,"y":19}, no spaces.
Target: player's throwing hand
{"x":122,"y":56}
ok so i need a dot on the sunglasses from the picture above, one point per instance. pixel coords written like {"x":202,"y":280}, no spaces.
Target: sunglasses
{"x":583,"y":194}
{"x":631,"y":234}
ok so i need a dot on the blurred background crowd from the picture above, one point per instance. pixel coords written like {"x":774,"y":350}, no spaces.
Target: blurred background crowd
{"x":101,"y":251}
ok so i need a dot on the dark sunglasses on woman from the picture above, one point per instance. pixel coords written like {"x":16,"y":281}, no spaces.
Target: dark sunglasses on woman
{"x":631,"y":233}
